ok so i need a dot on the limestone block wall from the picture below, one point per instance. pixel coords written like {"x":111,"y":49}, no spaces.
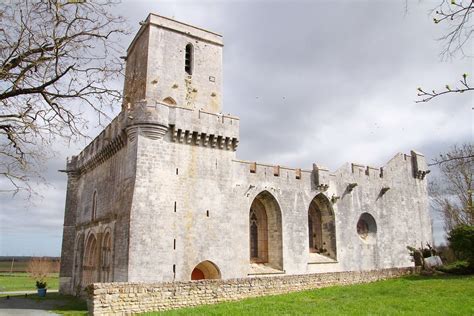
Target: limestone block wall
{"x":130,"y":298}
{"x":179,"y":207}
{"x":100,"y":188}
{"x":136,"y":69}
{"x":156,"y":65}
{"x":192,"y":204}
{"x":396,"y":200}
{"x":166,"y":76}
{"x":292,"y":191}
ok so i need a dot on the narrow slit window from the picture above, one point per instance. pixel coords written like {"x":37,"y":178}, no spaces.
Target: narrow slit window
{"x":94,"y":206}
{"x":175,"y":206}
{"x":188,"y":59}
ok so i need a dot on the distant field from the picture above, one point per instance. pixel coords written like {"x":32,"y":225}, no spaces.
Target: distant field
{"x":5,"y":266}
{"x":23,"y":282}
{"x":21,"y":264}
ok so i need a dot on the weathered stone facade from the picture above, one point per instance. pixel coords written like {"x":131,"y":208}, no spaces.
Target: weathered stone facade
{"x":160,"y":196}
{"x":131,"y":298}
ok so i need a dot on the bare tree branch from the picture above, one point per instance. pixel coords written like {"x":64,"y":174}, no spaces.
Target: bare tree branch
{"x":427,"y":96}
{"x":456,"y":16}
{"x":451,"y":194}
{"x":56,"y":58}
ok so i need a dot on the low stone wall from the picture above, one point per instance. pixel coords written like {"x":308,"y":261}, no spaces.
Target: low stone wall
{"x":129,"y":298}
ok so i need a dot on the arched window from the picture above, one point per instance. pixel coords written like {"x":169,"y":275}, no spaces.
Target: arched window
{"x":265,"y":231}
{"x":94,"y":206}
{"x":253,"y":235}
{"x":367,"y":228}
{"x":315,"y":230}
{"x":322,"y":227}
{"x":106,"y":258}
{"x":90,"y":262}
{"x":188,"y":59}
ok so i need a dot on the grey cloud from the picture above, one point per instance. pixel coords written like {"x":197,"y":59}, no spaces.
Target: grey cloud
{"x":324,"y":82}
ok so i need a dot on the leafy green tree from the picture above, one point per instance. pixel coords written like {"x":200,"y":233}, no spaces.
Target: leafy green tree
{"x":461,"y":240}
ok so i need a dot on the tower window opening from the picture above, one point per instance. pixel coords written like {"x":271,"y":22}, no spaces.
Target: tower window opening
{"x":94,"y":206}
{"x":188,"y":59}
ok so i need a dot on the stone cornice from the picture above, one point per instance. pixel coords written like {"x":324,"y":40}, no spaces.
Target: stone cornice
{"x":103,"y":154}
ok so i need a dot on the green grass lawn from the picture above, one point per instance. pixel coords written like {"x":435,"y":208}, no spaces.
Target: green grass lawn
{"x":413,"y":295}
{"x":22,"y":282}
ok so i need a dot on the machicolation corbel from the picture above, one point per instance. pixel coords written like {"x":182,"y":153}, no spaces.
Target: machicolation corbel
{"x":351,"y":187}
{"x":320,"y":177}
{"x":384,"y":190}
{"x":253,"y":167}
{"x":420,"y":168}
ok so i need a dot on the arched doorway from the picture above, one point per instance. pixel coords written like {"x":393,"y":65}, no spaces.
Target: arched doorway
{"x":322,"y":227}
{"x":205,"y":270}
{"x":90,"y":269}
{"x":265,"y":231}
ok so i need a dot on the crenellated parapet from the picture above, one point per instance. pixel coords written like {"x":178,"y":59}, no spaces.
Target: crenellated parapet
{"x":275,"y":171}
{"x":104,"y":146}
{"x":186,"y":126}
{"x":153,"y":120}
{"x":414,"y":165}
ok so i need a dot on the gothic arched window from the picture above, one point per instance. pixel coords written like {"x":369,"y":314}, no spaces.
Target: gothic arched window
{"x":253,"y":235}
{"x":322,"y":227}
{"x":188,"y":59}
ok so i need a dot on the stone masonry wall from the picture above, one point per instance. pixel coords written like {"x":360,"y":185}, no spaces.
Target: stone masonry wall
{"x":128,"y":298}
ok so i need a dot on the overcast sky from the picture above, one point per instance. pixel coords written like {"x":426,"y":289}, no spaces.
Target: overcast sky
{"x":327,"y":82}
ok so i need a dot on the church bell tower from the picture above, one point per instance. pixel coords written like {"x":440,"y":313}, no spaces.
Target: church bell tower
{"x":174,"y":63}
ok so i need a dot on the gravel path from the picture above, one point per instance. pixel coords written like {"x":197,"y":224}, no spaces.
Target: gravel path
{"x":24,"y":306}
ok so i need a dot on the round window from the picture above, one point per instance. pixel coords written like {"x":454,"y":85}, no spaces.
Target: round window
{"x":366,"y":227}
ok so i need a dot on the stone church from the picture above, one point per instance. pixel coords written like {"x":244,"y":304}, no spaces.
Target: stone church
{"x":160,"y":195}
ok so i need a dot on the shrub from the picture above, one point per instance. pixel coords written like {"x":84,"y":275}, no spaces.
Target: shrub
{"x":38,"y":269}
{"x":40,"y":285}
{"x":458,"y":267}
{"x":461,"y":240}
{"x":446,"y":253}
